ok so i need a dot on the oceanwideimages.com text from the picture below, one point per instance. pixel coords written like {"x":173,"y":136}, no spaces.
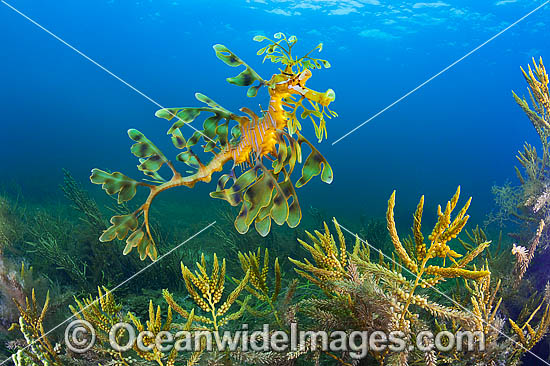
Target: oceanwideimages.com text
{"x":80,"y":337}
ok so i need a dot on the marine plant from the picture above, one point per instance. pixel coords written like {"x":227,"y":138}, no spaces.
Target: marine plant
{"x":259,"y":285}
{"x":63,"y":245}
{"x":524,"y":256}
{"x":11,"y":224}
{"x":527,"y":205}
{"x":400,"y":293}
{"x":477,"y":236}
{"x":535,"y":166}
{"x":265,"y":148}
{"x":91,"y":253}
{"x":104,"y":312}
{"x":341,"y":275}
{"x":82,"y":202}
{"x":207,"y":291}
{"x":346,"y":288}
{"x":417,"y":261}
{"x":16,"y":284}
{"x":529,"y":335}
{"x":39,"y":352}
{"x":51,"y":250}
{"x":530,"y":203}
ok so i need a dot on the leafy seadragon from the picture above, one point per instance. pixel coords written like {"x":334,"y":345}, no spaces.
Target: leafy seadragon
{"x":265,"y":148}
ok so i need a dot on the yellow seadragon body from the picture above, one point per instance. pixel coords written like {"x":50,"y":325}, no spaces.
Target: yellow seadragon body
{"x":266,"y":148}
{"x":259,"y":134}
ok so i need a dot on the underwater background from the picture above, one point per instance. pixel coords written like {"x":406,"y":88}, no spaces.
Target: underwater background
{"x":62,"y":112}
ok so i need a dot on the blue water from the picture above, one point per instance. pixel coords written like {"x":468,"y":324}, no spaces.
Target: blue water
{"x":59,"y":110}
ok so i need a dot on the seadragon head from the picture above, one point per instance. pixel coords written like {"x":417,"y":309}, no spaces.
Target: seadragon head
{"x":291,"y":89}
{"x":289,"y":85}
{"x":295,"y":84}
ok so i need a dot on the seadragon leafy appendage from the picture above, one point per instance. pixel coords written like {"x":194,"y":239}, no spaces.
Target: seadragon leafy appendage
{"x":265,"y":148}
{"x":267,"y":194}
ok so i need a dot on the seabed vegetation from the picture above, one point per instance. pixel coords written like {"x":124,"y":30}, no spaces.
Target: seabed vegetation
{"x":449,"y":277}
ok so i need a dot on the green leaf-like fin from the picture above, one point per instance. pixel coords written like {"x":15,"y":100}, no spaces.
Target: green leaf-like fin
{"x":115,"y":183}
{"x":120,"y":227}
{"x":314,"y":164}
{"x":247,"y":77}
{"x":144,"y":148}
